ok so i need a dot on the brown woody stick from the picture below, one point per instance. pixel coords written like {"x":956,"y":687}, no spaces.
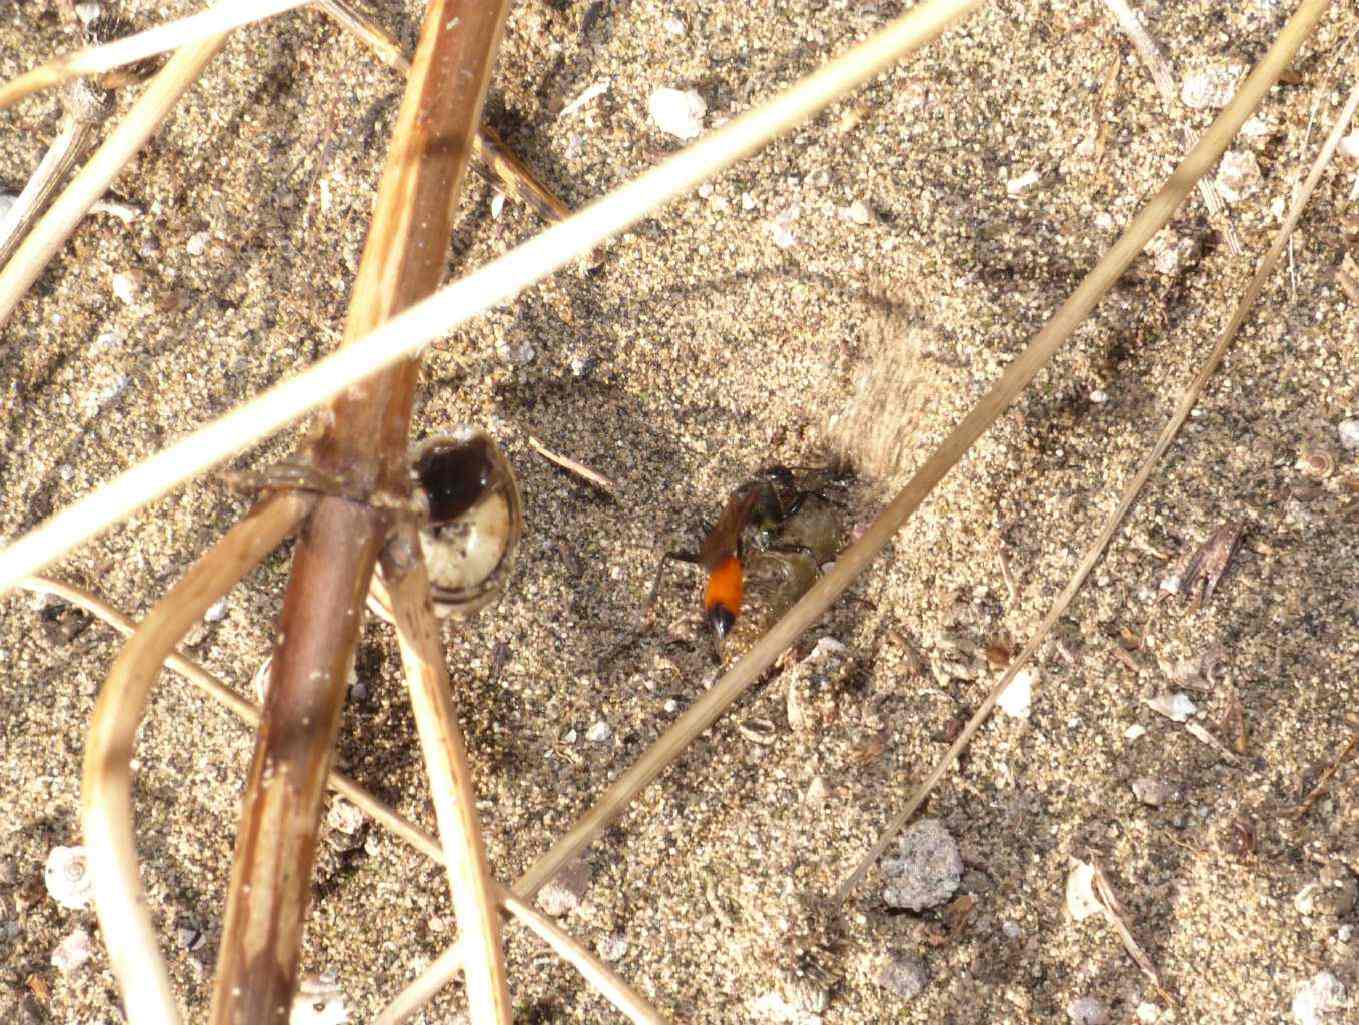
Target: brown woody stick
{"x":107,"y":788}
{"x":611,"y":986}
{"x":363,"y":444}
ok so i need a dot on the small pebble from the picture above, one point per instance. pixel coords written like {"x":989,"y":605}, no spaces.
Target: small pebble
{"x":72,"y":952}
{"x":856,"y":213}
{"x":675,"y":27}
{"x":517,"y":352}
{"x":563,"y":892}
{"x":1134,"y":731}
{"x":1017,"y":699}
{"x":1177,"y":706}
{"x":1154,"y":792}
{"x":497,"y":205}
{"x":613,"y":947}
{"x":1019,"y":185}
{"x":1349,"y":433}
{"x":1088,"y":1011}
{"x":198,"y":243}
{"x":1238,"y":175}
{"x":599,"y":733}
{"x":1081,"y":901}
{"x":1317,"y":998}
{"x":780,"y":226}
{"x":1147,"y":1013}
{"x":216,"y":611}
{"x":1210,"y":88}
{"x":344,"y":816}
{"x":926,"y":870}
{"x":677,"y":112}
{"x":1333,"y":893}
{"x":816,"y":793}
{"x":319,"y":1001}
{"x":127,"y":286}
{"x":902,"y":975}
{"x":1099,"y":396}
{"x":68,"y":877}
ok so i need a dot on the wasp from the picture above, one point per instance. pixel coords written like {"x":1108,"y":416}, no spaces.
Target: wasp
{"x":763,"y":504}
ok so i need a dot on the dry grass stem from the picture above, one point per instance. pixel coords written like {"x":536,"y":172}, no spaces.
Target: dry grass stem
{"x":704,"y":712}
{"x":172,"y":35}
{"x":491,"y":158}
{"x":571,"y":466}
{"x":497,"y":282}
{"x":107,"y":789}
{"x":610,"y":985}
{"x":86,"y":108}
{"x":367,"y":31}
{"x":1323,"y":784}
{"x":1164,"y":78}
{"x":595,"y":972}
{"x":55,"y":227}
{"x":450,"y":779}
{"x":1126,"y":501}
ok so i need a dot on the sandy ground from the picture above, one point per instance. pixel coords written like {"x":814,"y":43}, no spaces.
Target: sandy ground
{"x":702,"y":350}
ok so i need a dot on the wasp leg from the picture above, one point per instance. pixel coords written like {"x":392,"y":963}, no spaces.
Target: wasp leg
{"x":689,"y":557}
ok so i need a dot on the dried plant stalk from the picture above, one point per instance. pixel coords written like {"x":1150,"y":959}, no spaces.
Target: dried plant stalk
{"x":1126,"y":501}
{"x":86,"y":108}
{"x":495,"y":283}
{"x":172,"y":35}
{"x":363,"y":446}
{"x":704,"y":712}
{"x":450,"y":777}
{"x":107,"y":788}
{"x":55,"y":227}
{"x":613,"y":988}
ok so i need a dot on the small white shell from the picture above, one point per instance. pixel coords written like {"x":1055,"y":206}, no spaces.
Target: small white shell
{"x":474,"y":523}
{"x":68,"y":877}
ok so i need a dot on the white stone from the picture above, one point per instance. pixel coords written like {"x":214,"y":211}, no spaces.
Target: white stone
{"x":1022,"y":183}
{"x":1081,"y":901}
{"x":677,"y":112}
{"x":1088,"y":1011}
{"x":926,"y":870}
{"x":1210,"y":88}
{"x":72,"y":952}
{"x":599,"y":733}
{"x":1349,"y":433}
{"x":1238,"y":175}
{"x":125,"y":286}
{"x":1017,"y":699}
{"x":1317,"y":998}
{"x":1177,"y":706}
{"x":319,"y":1001}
